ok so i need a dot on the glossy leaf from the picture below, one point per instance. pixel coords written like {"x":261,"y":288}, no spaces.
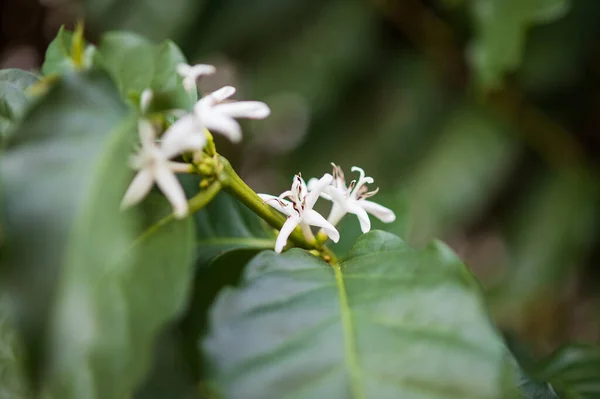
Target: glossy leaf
{"x":13,"y":98}
{"x":136,"y":64}
{"x":501,"y":33}
{"x":388,"y":322}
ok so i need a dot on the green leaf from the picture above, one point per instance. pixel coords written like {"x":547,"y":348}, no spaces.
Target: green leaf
{"x":501,"y":30}
{"x":58,"y":55}
{"x":91,"y":300}
{"x":388,"y":322}
{"x":226,"y":224}
{"x":136,"y":64}
{"x":13,"y":99}
{"x":574,"y":370}
{"x":12,"y":378}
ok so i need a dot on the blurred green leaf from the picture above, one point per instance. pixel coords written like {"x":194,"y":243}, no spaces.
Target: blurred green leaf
{"x":155,"y":19}
{"x":460,"y":173}
{"x":48,"y":173}
{"x":549,"y":234}
{"x":12,"y":377}
{"x":136,"y":64}
{"x":58,"y":55}
{"x":13,"y":98}
{"x":501,"y":32}
{"x":389,"y":321}
{"x":574,"y":370}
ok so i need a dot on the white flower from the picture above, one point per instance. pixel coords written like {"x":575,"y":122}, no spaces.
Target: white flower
{"x":145,"y":100}
{"x":190,"y":74}
{"x":353,"y":199}
{"x":153,"y":165}
{"x":299,"y":209}
{"x":211,"y":113}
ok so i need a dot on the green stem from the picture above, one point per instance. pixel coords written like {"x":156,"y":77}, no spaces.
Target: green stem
{"x":234,"y":185}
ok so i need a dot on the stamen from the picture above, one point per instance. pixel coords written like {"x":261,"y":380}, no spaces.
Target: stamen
{"x":368,"y":194}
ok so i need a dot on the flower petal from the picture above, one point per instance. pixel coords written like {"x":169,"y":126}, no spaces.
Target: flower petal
{"x":311,"y":185}
{"x":363,"y":218}
{"x":336,"y":214}
{"x":140,"y":186}
{"x":214,"y":98}
{"x":185,"y":134}
{"x":184,"y":69}
{"x":318,"y":188}
{"x":169,"y":185}
{"x":244,"y":109}
{"x":147,"y":133}
{"x":313,"y":218}
{"x":380,"y":212}
{"x":223,"y":124}
{"x":287,"y":228}
{"x":274,"y":202}
{"x":145,"y":100}
{"x":202,"y":69}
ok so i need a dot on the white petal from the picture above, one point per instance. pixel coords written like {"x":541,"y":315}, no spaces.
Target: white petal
{"x":139,"y":188}
{"x":146,"y":99}
{"x":311,"y":185}
{"x":179,"y":167}
{"x":184,"y":69}
{"x":313,"y":218}
{"x":307,"y":232}
{"x":202,"y":69}
{"x":363,"y":218}
{"x":380,"y":212}
{"x":169,"y":185}
{"x":273,"y":202}
{"x":213,"y":98}
{"x":185,"y":134}
{"x":147,"y":133}
{"x":336,"y":214}
{"x":189,"y":83}
{"x":287,"y":228}
{"x":223,"y":124}
{"x":337,"y":195}
{"x":244,"y":109}
{"x":312,"y":196}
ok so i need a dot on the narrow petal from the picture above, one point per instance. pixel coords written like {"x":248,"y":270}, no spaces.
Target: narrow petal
{"x":189,"y":83}
{"x":337,"y":195}
{"x":147,"y":133}
{"x":146,"y":99}
{"x":336,"y":214}
{"x":274,"y":202}
{"x":287,"y":228}
{"x":318,"y":188}
{"x":215,"y":97}
{"x":380,"y":212}
{"x":169,"y":185}
{"x":363,"y":218}
{"x":139,"y":188}
{"x":244,"y":109}
{"x":184,"y":135}
{"x":202,"y":69}
{"x":223,"y":124}
{"x":311,"y":185}
{"x":183,"y":69}
{"x":313,"y":218}
{"x":179,"y":167}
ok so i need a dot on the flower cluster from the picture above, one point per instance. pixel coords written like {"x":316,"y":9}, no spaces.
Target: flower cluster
{"x":298,"y":204}
{"x":212,"y":112}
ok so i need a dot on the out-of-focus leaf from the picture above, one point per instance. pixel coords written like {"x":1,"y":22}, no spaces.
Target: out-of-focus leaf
{"x":461,"y":171}
{"x":387,"y":322}
{"x":574,"y":370}
{"x":549,"y":235}
{"x":155,"y":19}
{"x":47,"y":173}
{"x":321,"y":59}
{"x":13,"y":100}
{"x":136,"y":64}
{"x":91,"y":300}
{"x":58,"y":55}
{"x":501,"y":33}
{"x":12,"y":378}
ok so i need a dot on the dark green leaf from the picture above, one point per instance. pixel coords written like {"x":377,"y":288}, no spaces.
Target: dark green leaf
{"x":58,"y":55}
{"x":388,"y":322}
{"x":501,"y":31}
{"x":13,"y":99}
{"x":136,"y":64}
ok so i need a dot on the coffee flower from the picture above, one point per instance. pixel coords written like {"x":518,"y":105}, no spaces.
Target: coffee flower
{"x":353,"y":199}
{"x":212,"y":113}
{"x":297,"y":204}
{"x":153,"y":165}
{"x":191,"y":73}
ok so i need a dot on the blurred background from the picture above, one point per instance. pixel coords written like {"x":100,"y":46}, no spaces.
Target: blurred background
{"x":478,"y":119}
